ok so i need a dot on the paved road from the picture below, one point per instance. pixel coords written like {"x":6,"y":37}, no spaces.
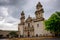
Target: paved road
{"x":3,"y":39}
{"x":42,"y":39}
{"x":52,"y":39}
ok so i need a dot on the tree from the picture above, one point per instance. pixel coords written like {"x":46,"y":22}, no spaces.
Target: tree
{"x":1,"y":36}
{"x":13,"y":34}
{"x":7,"y":35}
{"x":53,"y":23}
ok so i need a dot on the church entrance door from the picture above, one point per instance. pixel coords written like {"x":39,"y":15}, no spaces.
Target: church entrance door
{"x":28,"y":34}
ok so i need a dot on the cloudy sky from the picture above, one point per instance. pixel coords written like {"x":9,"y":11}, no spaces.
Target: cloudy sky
{"x":10,"y":11}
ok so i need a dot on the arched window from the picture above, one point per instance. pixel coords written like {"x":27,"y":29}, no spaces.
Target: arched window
{"x":36,"y":35}
{"x":32,"y":27}
{"x":25,"y":27}
{"x":37,"y":25}
{"x":28,"y":24}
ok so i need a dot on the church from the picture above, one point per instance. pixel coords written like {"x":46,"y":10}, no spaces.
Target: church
{"x":32,"y":27}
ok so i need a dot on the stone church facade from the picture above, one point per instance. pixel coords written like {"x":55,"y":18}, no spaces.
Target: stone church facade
{"x":31,"y":27}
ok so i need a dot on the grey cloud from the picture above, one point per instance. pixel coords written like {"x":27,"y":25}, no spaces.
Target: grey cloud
{"x":51,"y":7}
{"x":16,"y":6}
{"x":8,"y":2}
{"x":11,"y":20}
{"x":15,"y":10}
{"x":12,"y":2}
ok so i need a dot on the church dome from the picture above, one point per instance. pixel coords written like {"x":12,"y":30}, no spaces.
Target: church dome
{"x":29,"y":19}
{"x":38,"y":6}
{"x":22,"y":13}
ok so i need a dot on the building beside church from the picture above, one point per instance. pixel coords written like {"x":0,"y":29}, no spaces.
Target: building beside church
{"x":31,"y":27}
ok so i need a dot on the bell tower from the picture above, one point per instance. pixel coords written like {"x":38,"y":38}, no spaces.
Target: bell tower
{"x":39,"y":11}
{"x":22,"y":17}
